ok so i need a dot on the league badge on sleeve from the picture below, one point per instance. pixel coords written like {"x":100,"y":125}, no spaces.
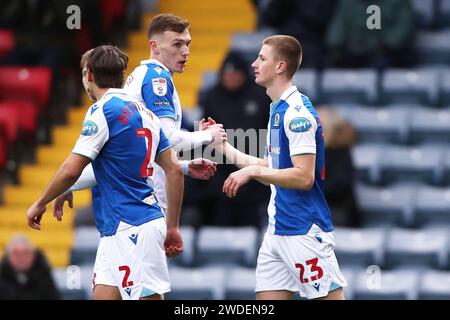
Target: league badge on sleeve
{"x":300,"y":124}
{"x":159,"y":86}
{"x":89,"y":128}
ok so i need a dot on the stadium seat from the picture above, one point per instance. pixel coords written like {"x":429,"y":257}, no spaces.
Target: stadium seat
{"x":382,"y":125}
{"x":387,"y":285}
{"x":424,"y":163}
{"x":421,"y":248}
{"x":85,"y":245}
{"x":209,"y":79}
{"x":366,"y":160}
{"x":447,"y":167}
{"x":432,"y":206}
{"x":386,"y":206}
{"x":349,"y":86}
{"x":430,"y":125}
{"x":249,"y":43}
{"x":9,"y":122}
{"x":207,"y":283}
{"x":443,"y":13}
{"x":445,"y":87}
{"x":3,"y":151}
{"x":306,"y":81}
{"x":241,"y":284}
{"x":349,"y":275}
{"x":359,"y":247}
{"x":433,"y":47}
{"x":187,"y":257}
{"x":7,"y":42}
{"x":424,"y":12}
{"x":227,"y":245}
{"x":26,"y":114}
{"x":23,"y":83}
{"x":68,"y":291}
{"x":435,"y":285}
{"x":410,"y":86}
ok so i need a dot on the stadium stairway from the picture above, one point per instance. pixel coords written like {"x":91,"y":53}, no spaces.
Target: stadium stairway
{"x":55,"y":238}
{"x":212,"y":25}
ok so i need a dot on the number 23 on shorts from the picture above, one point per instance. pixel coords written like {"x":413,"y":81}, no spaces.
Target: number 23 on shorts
{"x":314,"y":269}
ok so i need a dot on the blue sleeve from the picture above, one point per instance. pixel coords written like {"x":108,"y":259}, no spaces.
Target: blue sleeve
{"x":164,"y":143}
{"x":157,"y":91}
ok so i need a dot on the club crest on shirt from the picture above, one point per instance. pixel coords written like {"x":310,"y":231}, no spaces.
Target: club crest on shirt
{"x":276,"y":120}
{"x":159,"y":86}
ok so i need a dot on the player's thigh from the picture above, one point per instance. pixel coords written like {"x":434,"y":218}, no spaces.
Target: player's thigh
{"x":105,"y":292}
{"x":274,"y":295}
{"x":337,"y":294}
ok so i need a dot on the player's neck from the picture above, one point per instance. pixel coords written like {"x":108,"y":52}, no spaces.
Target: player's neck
{"x":277,"y":88}
{"x":99,"y":93}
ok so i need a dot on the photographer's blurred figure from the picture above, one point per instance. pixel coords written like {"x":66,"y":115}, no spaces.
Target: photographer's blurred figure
{"x":25,"y":273}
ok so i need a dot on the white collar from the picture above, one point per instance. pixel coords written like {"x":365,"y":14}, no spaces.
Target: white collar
{"x":288,"y":92}
{"x":154,"y":61}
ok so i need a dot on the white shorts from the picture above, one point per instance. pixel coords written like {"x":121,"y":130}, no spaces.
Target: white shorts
{"x":305,"y":264}
{"x":134,"y":260}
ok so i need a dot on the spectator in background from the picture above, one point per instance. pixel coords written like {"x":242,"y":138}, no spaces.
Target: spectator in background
{"x":339,"y":192}
{"x":237,"y":103}
{"x":305,"y":20}
{"x":25,"y":273}
{"x":352,"y":44}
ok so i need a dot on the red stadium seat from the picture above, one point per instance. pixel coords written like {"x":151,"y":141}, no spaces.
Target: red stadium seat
{"x":2,"y":152}
{"x":9,"y":123}
{"x":26,"y":113}
{"x":22,"y":83}
{"x":6,"y":42}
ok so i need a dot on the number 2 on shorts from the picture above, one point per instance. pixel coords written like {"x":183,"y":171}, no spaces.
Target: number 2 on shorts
{"x":314,"y":268}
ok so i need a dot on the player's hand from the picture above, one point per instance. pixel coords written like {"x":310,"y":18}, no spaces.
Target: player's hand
{"x":237,"y":179}
{"x":173,"y":244}
{"x":218,"y":133}
{"x":203,"y":125}
{"x":58,"y":205}
{"x":35,"y":213}
{"x":202,"y":169}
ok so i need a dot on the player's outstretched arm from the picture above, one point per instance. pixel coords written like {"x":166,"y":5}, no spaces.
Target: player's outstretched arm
{"x":301,"y":176}
{"x":65,"y":177}
{"x":168,"y":161}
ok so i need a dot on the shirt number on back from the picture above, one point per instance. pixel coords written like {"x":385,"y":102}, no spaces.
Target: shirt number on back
{"x":146,"y":133}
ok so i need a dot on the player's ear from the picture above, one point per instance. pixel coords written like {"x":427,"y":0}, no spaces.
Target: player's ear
{"x":281,"y":67}
{"x":90,"y":75}
{"x":153,"y":46}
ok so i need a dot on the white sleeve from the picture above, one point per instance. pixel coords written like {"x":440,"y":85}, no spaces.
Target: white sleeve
{"x":183,"y":140}
{"x":300,"y":128}
{"x":94,"y":134}
{"x":85,"y":181}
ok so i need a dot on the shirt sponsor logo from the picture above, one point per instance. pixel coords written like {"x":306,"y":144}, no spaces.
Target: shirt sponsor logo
{"x":89,"y":128}
{"x":159,"y":86}
{"x":161,"y":103}
{"x":299,"y":125}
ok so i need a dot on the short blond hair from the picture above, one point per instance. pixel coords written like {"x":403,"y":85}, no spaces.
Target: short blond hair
{"x":288,"y":49}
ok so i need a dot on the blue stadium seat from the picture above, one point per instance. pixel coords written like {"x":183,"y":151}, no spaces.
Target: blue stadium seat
{"x":433,"y":47}
{"x":419,"y":164}
{"x":366,"y":159}
{"x":443,"y":13}
{"x":306,"y":81}
{"x":430,"y":125}
{"x":380,"y":125}
{"x":445,"y":87}
{"x":447,"y":167}
{"x":68,"y":291}
{"x":349,"y":86}
{"x":421,"y":248}
{"x":424,"y":12}
{"x":386,"y":206}
{"x":227,"y":245}
{"x":410,"y":86}
{"x":387,"y":285}
{"x":432,"y":206}
{"x":435,"y":285}
{"x":187,"y":258}
{"x":85,"y":245}
{"x":207,"y":283}
{"x":349,"y":275}
{"x":241,"y":284}
{"x":359,"y":247}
